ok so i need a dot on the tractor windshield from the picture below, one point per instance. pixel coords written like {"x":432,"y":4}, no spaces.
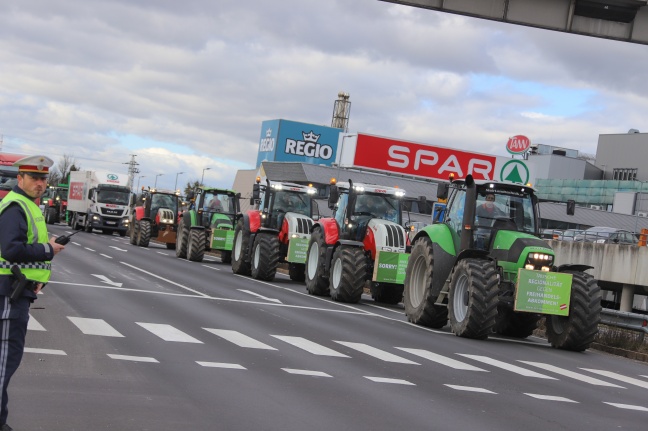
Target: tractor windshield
{"x":219,"y":202}
{"x":286,"y":201}
{"x":385,"y":207}
{"x":502,"y":210}
{"x":159,"y":200}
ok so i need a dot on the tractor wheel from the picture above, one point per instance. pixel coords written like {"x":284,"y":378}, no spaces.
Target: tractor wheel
{"x":419,"y":302}
{"x":265,"y":257}
{"x":577,"y":331}
{"x":144,"y":233}
{"x":473,"y":298}
{"x":387,"y":293}
{"x":515,"y":324}
{"x":181,"y":245}
{"x":240,"y":260}
{"x":133,"y":232}
{"x":196,"y":245}
{"x":226,"y":256}
{"x":317,"y":280}
{"x":50,"y":215}
{"x":348,"y":274}
{"x":297,"y":271}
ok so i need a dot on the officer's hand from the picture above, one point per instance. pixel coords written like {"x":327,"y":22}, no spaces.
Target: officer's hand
{"x":38,"y":288}
{"x":56,"y":247}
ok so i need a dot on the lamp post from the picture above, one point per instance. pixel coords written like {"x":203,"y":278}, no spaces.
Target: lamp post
{"x":155,"y":185}
{"x":175,"y":187}
{"x":203,"y":176}
{"x":138,"y":181}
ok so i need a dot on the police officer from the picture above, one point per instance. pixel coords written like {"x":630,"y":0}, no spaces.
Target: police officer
{"x":23,"y":242}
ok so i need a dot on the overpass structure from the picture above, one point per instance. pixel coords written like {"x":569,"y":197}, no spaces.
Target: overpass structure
{"x":624,"y":20}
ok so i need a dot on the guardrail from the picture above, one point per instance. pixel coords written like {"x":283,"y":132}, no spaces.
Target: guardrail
{"x":624,"y":319}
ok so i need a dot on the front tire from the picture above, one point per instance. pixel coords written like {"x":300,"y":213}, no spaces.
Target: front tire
{"x":418,"y":299}
{"x":240,"y":261}
{"x":473,"y":298}
{"x":348,"y":274}
{"x":196,"y":245}
{"x":317,"y":280}
{"x":134,"y":231}
{"x":265,"y":257}
{"x":577,"y":331}
{"x":144,"y":233}
{"x":50,"y":216}
{"x":181,"y":244}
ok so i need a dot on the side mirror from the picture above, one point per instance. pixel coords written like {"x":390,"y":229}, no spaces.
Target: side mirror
{"x":256,"y":192}
{"x":334,"y":195}
{"x":442,"y":190}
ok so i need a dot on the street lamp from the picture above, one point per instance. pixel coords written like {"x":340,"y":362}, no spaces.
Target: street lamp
{"x":155,"y":185}
{"x":175,"y":187}
{"x":138,"y":181}
{"x":203,"y":176}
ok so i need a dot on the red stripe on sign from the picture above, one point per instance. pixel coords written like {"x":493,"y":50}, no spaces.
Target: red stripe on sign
{"x":562,"y":307}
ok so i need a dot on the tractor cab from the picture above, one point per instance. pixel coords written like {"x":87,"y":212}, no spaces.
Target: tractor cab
{"x":276,"y":199}
{"x":155,"y":216}
{"x":215,"y":208}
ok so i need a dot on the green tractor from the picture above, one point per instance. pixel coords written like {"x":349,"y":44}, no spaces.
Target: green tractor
{"x":481,"y":266}
{"x":208,"y":225}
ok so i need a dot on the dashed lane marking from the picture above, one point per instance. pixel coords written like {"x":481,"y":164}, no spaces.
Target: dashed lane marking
{"x":306,"y":372}
{"x":628,"y":406}
{"x":221,"y":365}
{"x":443,"y":360}
{"x":551,"y":398}
{"x":169,"y":333}
{"x":620,"y":377}
{"x":94,"y":327}
{"x":310,"y":347}
{"x":45,"y":351}
{"x":387,"y":380}
{"x":571,"y":374}
{"x":105,"y":255}
{"x":260,"y":296}
{"x":470,"y":389}
{"x":239,"y":339}
{"x":506,"y":366}
{"x":133,"y":358}
{"x":377,"y":353}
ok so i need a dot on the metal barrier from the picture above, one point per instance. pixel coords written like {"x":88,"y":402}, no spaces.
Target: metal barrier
{"x":624,"y":319}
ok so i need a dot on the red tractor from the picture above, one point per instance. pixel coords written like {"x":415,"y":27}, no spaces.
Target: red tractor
{"x":277,"y":231}
{"x":155,"y":216}
{"x":54,"y":202}
{"x":363,"y":241}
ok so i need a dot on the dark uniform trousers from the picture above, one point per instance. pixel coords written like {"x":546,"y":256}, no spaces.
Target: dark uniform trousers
{"x":13,"y":329}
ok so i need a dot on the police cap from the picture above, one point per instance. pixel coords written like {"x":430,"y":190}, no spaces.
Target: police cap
{"x":36,"y":166}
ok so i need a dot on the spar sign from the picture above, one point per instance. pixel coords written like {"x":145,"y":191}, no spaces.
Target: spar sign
{"x":518,"y":144}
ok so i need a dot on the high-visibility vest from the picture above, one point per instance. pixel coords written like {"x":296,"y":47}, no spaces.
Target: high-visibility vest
{"x":36,"y":233}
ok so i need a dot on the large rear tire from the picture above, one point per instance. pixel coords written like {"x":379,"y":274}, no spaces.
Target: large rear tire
{"x":418,"y":299}
{"x":515,"y":324}
{"x":196,"y":245}
{"x":182,"y":239}
{"x":387,"y":293}
{"x":297,"y":271}
{"x":265,"y":256}
{"x":317,"y":280}
{"x":144,"y":233}
{"x":473,"y":298}
{"x":348,"y":274}
{"x":240,"y":260}
{"x":577,"y":331}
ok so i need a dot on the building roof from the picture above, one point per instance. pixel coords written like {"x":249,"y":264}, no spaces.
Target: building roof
{"x":591,"y":217}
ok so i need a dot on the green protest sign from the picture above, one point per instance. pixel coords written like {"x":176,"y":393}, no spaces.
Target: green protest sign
{"x":297,"y":248}
{"x":390,"y":267}
{"x":222,"y":239}
{"x":543,"y":292}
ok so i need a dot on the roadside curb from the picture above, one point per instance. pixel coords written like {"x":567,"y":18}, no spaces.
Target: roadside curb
{"x":637,"y":356}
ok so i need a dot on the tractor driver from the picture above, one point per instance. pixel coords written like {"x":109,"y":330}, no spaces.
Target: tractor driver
{"x":215,"y":204}
{"x":487,"y":212}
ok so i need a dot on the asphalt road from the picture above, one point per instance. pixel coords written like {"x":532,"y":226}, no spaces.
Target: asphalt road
{"x":133,"y":338}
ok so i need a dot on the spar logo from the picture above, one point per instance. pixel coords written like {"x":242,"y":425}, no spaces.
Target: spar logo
{"x":518,"y":144}
{"x":267,"y":144}
{"x":309,"y":147}
{"x":515,"y":171}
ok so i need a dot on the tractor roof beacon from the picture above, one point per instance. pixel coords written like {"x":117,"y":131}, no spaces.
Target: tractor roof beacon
{"x":208,"y":224}
{"x":276,"y":231}
{"x":482,"y":267}
{"x":363,"y":241}
{"x":155,"y":217}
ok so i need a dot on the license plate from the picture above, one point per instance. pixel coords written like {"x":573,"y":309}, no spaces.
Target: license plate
{"x":111,"y":222}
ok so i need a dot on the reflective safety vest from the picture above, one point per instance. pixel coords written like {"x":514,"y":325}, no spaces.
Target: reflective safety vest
{"x":36,"y":233}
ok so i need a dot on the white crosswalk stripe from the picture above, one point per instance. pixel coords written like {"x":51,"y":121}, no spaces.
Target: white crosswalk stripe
{"x":133,"y":358}
{"x":94,"y":327}
{"x":387,"y":380}
{"x":239,"y":339}
{"x":551,"y":398}
{"x":306,"y":372}
{"x":470,"y":389}
{"x":506,"y":366}
{"x":309,"y":346}
{"x":33,"y":325}
{"x":620,"y":377}
{"x":628,"y":406}
{"x":168,"y":333}
{"x":377,"y":353}
{"x":443,"y":360}
{"x":221,"y":365}
{"x":573,"y":375}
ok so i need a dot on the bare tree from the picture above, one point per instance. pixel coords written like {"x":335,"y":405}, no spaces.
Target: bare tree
{"x":62,"y":169}
{"x":191,"y":185}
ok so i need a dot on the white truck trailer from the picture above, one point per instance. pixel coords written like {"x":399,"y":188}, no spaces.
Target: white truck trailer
{"x":99,"y":200}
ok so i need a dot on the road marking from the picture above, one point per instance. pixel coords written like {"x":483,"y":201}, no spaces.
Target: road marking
{"x":168,"y":333}
{"x":260,"y":296}
{"x":506,"y":366}
{"x":470,"y":389}
{"x":551,"y":398}
{"x":621,"y":377}
{"x":76,"y":243}
{"x":573,"y":375}
{"x":165,"y":279}
{"x":377,"y":353}
{"x":309,"y":346}
{"x":239,"y":339}
{"x":133,"y":358}
{"x":94,"y":327}
{"x":105,"y":255}
{"x":221,"y":365}
{"x":211,"y":267}
{"x":107,"y":280}
{"x":89,"y":249}
{"x":306,"y":372}
{"x":45,"y":351}
{"x":386,"y":380}
{"x":33,"y":325}
{"x":449,"y":362}
{"x":627,"y":406}
{"x":119,"y":249}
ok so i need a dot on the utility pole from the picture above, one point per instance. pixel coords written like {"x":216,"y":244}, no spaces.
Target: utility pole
{"x":132,"y":171}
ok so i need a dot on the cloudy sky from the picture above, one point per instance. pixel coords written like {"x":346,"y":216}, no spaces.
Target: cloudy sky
{"x":185,"y":85}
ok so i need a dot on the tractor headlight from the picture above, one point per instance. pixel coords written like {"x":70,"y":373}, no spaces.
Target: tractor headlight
{"x":539,"y":261}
